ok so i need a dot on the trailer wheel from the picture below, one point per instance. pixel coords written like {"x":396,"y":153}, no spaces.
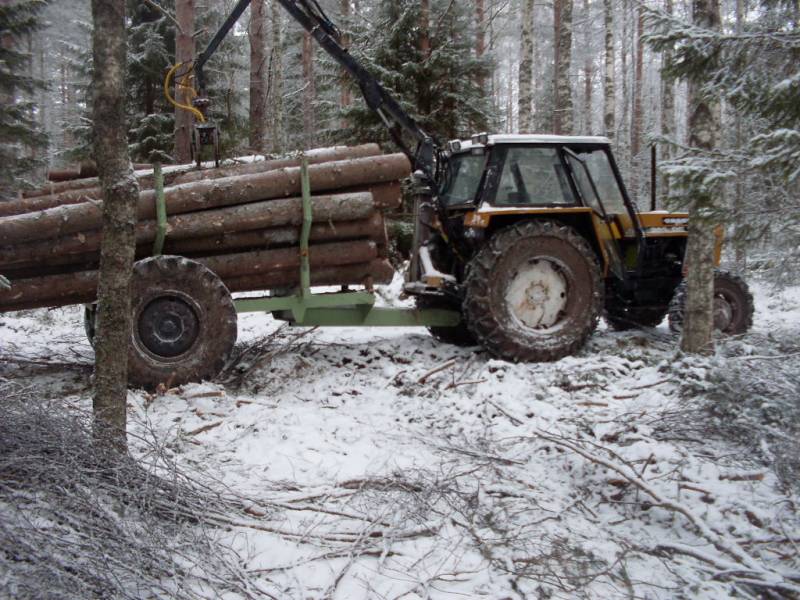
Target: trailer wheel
{"x":184,"y":322}
{"x":623,"y":319}
{"x":459,"y":335}
{"x":733,"y":305}
{"x":534,"y":292}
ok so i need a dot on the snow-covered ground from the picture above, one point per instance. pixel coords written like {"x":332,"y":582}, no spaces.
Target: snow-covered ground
{"x":378,"y":463}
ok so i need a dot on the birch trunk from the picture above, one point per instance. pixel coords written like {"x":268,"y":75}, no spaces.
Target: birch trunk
{"x":480,"y":41}
{"x":704,"y":123}
{"x":525,"y":101}
{"x":610,"y":100}
{"x":119,"y":222}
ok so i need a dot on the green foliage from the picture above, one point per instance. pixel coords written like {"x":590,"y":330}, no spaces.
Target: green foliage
{"x":151,"y":51}
{"x":755,"y":72}
{"x":438,"y":90}
{"x":20,"y":134}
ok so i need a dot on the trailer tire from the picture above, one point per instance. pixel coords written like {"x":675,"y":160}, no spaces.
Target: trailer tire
{"x":534,"y":292}
{"x":184,"y":323}
{"x":733,"y":305}
{"x":459,"y":335}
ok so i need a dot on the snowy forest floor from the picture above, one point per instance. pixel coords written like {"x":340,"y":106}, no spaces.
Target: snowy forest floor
{"x":372,"y":463}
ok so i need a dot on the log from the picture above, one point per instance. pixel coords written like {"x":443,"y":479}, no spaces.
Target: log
{"x":372,"y":228}
{"x":314,"y":157}
{"x":246,"y":217}
{"x":177,"y":175}
{"x":63,"y":220}
{"x":80,"y":287}
{"x":375,"y":272}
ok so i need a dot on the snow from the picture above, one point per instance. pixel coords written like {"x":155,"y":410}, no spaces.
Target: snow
{"x":461,"y":483}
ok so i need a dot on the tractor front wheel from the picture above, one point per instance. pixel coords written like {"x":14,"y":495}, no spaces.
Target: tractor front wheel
{"x":534,"y":292}
{"x":733,"y":305}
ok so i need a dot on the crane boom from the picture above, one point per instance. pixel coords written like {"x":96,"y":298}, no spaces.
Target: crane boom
{"x":311,"y":17}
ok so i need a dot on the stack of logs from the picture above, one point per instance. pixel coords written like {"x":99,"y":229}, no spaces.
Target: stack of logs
{"x":243,"y":222}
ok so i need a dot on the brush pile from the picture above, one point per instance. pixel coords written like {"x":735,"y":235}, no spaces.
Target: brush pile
{"x":243,"y":222}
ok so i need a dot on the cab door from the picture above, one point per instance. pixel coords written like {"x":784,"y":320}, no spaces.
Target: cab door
{"x":600,"y":219}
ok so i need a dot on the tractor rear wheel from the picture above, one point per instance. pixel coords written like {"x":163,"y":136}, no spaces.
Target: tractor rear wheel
{"x":623,"y":319}
{"x":534,"y":292}
{"x":184,"y":322}
{"x":733,"y":305}
{"x":458,"y":335}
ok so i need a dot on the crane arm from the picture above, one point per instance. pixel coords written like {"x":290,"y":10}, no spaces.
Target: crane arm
{"x":311,"y":17}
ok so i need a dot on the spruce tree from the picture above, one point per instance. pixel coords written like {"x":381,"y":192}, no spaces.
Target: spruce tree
{"x":438,"y":88}
{"x":20,"y":133}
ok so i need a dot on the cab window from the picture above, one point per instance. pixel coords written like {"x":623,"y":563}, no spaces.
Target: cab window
{"x":463,"y":179}
{"x":533,"y":176}
{"x":605,"y":181}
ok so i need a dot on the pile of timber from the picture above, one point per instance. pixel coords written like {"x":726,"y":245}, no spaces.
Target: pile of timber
{"x":241,"y":221}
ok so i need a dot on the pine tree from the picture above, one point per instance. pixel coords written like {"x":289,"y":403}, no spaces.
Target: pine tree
{"x":20,"y":132}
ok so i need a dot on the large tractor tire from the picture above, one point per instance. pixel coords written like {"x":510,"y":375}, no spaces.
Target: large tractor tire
{"x":634,"y":317}
{"x":184,"y":323}
{"x":733,"y":305}
{"x":457,"y":336}
{"x":534,"y":292}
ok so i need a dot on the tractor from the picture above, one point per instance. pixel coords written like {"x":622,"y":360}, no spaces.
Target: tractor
{"x":521,"y":243}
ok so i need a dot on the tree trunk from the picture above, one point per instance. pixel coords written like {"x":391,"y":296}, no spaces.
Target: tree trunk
{"x":588,"y":69}
{"x":636,"y":115}
{"x":345,"y":94}
{"x":667,"y":107}
{"x":739,"y":225}
{"x":525,"y":101}
{"x":480,"y":42}
{"x":119,"y":221}
{"x":309,"y":91}
{"x":424,"y":28}
{"x":257,"y":34}
{"x":276,"y":78}
{"x":562,"y":25}
{"x":184,"y":52}
{"x":704,"y":123}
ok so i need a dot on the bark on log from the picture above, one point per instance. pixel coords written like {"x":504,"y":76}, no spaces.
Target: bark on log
{"x":87,"y":189}
{"x":246,"y":217}
{"x":63,"y":220}
{"x":79,"y":288}
{"x":372,"y":228}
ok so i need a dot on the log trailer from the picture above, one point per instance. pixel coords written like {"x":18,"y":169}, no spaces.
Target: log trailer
{"x":521,"y":244}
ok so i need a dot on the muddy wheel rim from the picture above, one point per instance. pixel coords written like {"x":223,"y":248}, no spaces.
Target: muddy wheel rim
{"x":723,"y":313}
{"x":168,"y":326}
{"x":537,"y":295}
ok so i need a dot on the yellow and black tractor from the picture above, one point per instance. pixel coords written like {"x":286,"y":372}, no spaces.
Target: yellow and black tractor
{"x":534,"y":237}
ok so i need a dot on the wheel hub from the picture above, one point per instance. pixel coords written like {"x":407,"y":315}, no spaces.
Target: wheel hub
{"x":537,"y":294}
{"x":723,"y":313}
{"x":168,"y":326}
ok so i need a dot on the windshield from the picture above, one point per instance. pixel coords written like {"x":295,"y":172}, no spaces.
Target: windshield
{"x":463,"y":179}
{"x":604,"y":181}
{"x":533,"y":176}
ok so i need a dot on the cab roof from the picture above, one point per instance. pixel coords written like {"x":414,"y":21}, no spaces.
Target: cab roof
{"x":531,"y":138}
